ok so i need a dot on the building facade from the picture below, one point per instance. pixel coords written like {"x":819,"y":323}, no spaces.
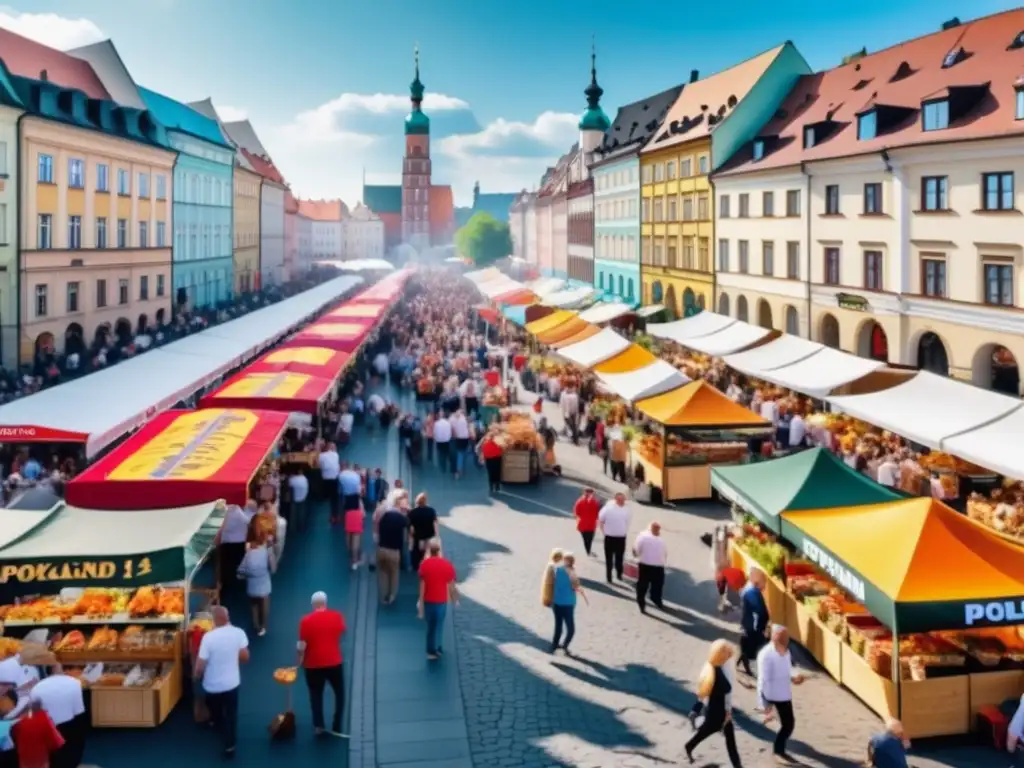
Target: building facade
{"x":912,"y":250}
{"x":545,"y":248}
{"x":363,"y":234}
{"x":246,"y":248}
{"x":291,"y":235}
{"x":615,"y":168}
{"x":325,"y":228}
{"x":272,"y":192}
{"x":530,"y":230}
{"x":304,"y":238}
{"x":11,"y":108}
{"x":709,"y":121}
{"x":203,"y":262}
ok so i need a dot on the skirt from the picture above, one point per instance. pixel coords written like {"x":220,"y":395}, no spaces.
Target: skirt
{"x":354,"y":521}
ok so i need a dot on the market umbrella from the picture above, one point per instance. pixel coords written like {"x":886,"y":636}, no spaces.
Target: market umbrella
{"x":549,"y":322}
{"x":632,"y":358}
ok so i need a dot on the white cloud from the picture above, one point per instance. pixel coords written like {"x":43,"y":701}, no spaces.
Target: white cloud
{"x":381,"y":103}
{"x":58,"y":32}
{"x":231,"y":114}
{"x":550,"y":134}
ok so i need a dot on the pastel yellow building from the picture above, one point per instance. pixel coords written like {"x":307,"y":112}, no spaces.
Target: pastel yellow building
{"x":247,"y":226}
{"x":708,"y":122}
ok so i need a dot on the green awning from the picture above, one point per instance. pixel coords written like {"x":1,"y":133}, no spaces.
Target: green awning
{"x":812,"y":479}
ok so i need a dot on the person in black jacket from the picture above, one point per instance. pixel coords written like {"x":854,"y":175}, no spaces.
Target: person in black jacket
{"x":717,"y":681}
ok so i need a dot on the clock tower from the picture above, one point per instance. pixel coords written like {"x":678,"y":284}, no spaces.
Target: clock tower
{"x":416,"y":168}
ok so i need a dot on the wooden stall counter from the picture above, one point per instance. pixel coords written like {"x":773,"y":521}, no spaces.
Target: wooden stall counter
{"x":993,"y":688}
{"x":775,"y":595}
{"x":678,"y":483}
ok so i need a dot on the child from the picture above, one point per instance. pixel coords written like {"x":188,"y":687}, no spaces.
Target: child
{"x":36,"y":738}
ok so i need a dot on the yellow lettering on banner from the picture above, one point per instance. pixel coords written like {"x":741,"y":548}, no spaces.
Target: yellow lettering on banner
{"x":195,"y":446}
{"x":276,"y":385}
{"x":336,"y":330}
{"x":305,"y":355}
{"x":354,"y":310}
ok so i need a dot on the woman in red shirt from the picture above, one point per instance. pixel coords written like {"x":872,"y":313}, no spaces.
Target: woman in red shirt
{"x":491,"y":452}
{"x":586,"y":511}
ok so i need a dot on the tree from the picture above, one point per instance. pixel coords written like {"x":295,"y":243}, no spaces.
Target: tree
{"x":483,"y":239}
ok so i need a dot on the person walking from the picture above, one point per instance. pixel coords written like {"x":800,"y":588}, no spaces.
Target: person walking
{"x":355,"y":523}
{"x":565,"y":586}
{"x":257,"y":568}
{"x":491,"y":453}
{"x":652,"y":554}
{"x":437,"y":588}
{"x":754,"y":619}
{"x":613,"y":519}
{"x":889,"y":748}
{"x":319,"y":647}
{"x":569,"y":404}
{"x":222,"y":651}
{"x":775,"y":681}
{"x":721,"y":564}
{"x":586,"y":511}
{"x":298,"y":484}
{"x":330,"y":468}
{"x":717,"y":681}
{"x":423,"y":527}
{"x":391,"y":536}
{"x":231,"y":539}
{"x":443,"y":441}
{"x":60,"y":696}
{"x":350,"y":486}
{"x":460,"y":442}
{"x":376,"y":488}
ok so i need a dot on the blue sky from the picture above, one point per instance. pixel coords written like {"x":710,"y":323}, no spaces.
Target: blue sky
{"x":326,"y":83}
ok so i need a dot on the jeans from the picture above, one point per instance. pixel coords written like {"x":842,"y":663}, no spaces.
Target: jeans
{"x":224,"y":715}
{"x":614,"y":555}
{"x":316,"y":679}
{"x":298,"y":515}
{"x":564,"y":615}
{"x":787,"y":724}
{"x":434,"y":613}
{"x":649,"y":577}
{"x":461,"y":448}
{"x":444,"y":455}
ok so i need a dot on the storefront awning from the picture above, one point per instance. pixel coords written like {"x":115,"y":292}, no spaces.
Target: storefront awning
{"x":813,"y":479}
{"x":479,"y":276}
{"x":928,"y":409}
{"x":563,"y":331}
{"x":568,"y":298}
{"x":518,"y":297}
{"x":598,"y":348}
{"x":181,"y":458}
{"x":650,"y":311}
{"x":499,"y":287}
{"x":698,"y":404}
{"x":783,"y":351}
{"x":76,"y":547}
{"x":644,"y":382}
{"x":701,"y":324}
{"x":285,"y":392}
{"x":631,"y":359}
{"x":356,"y":311}
{"x":917,"y":565}
{"x":487,"y":314}
{"x":366,"y":265}
{"x":996,"y":446}
{"x":823,"y":372}
{"x":343,"y":337}
{"x":605,"y":312}
{"x":516,"y":315}
{"x":321,"y":362}
{"x":587,"y":332}
{"x":545,"y":285}
{"x":733,"y":338}
{"x":549,"y":322}
{"x":25,"y":512}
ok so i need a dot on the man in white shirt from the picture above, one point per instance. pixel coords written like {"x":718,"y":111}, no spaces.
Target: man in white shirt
{"x":775,"y":681}
{"x":330,"y":468}
{"x":233,"y":533}
{"x":470,"y":393}
{"x":221,"y":652}
{"x":61,"y":697}
{"x":797,"y":431}
{"x":443,"y":440}
{"x":460,"y":436}
{"x":381,"y":364}
{"x":888,"y":472}
{"x":569,"y":402}
{"x":651,"y":553}
{"x":345,"y":423}
{"x":16,"y":677}
{"x":613,"y":520}
{"x":299,"y":485}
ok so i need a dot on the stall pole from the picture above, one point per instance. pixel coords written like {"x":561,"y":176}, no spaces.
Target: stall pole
{"x":896,"y":672}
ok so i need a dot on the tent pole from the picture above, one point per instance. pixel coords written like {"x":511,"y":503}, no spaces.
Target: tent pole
{"x":896,"y":676}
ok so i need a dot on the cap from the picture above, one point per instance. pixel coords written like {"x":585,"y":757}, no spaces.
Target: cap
{"x":319,"y":597}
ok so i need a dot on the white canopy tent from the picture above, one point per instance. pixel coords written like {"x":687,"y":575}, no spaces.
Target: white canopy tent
{"x":568,"y":298}
{"x":605,"y":312}
{"x":995,"y":446}
{"x":483,"y":275}
{"x":783,"y":351}
{"x":99,"y":408}
{"x":928,"y":409}
{"x":542,"y":286}
{"x":821,"y":373}
{"x":701,"y":324}
{"x":651,"y":380}
{"x":732,"y":338}
{"x":653,"y":309}
{"x":495,"y":288}
{"x":598,"y":348}
{"x":364,"y":265}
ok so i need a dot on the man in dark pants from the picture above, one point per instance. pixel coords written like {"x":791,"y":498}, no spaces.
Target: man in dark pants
{"x":650,"y":551}
{"x":613,"y":520}
{"x":754,"y":621}
{"x":221,"y":651}
{"x":320,"y":633}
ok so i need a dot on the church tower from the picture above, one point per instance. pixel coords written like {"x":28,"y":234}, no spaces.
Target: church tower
{"x":593,"y":122}
{"x":416,"y":169}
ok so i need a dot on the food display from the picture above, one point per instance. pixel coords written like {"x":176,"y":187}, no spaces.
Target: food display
{"x":944,"y":462}
{"x":119,"y":675}
{"x":132,"y":639}
{"x":517,"y":433}
{"x":286,"y":675}
{"x":1002,"y":509}
{"x":496,"y":396}
{"x":9,"y":647}
{"x":95,"y":604}
{"x":683,"y":452}
{"x":611,"y":410}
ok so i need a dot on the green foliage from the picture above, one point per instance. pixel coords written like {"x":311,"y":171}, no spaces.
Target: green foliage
{"x":647,"y":342}
{"x":483,"y":239}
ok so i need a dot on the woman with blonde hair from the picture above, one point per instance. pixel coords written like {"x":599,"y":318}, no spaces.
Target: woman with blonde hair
{"x":717,"y":680}
{"x":547,"y":584}
{"x":565,"y":587}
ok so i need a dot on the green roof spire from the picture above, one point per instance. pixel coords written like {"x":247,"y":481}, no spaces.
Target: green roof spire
{"x":416,"y":88}
{"x":594,"y":119}
{"x":417,"y":123}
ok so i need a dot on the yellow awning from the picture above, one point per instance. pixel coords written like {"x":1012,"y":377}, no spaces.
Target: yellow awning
{"x":548,"y":322}
{"x":563,"y":331}
{"x":586,"y":333}
{"x":698,"y":404}
{"x":634,"y":358}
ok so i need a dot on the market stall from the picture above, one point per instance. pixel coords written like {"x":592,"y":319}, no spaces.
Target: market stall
{"x":735,"y":337}
{"x":522,"y":448}
{"x":285,"y":392}
{"x":356,"y":311}
{"x":549,"y":322}
{"x":570,"y":297}
{"x":321,"y":362}
{"x":699,"y":428}
{"x":680,"y":331}
{"x":632,"y":358}
{"x":544,"y":286}
{"x":651,"y":380}
{"x":107,"y":592}
{"x":783,"y":351}
{"x":516,"y":297}
{"x":587,"y":332}
{"x":572,"y":327}
{"x":341,"y":337}
{"x":596,"y":349}
{"x":605,"y":312}
{"x":823,"y":372}
{"x":181,"y":458}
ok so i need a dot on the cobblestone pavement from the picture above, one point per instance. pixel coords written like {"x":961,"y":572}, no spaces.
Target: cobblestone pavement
{"x":621,"y":700}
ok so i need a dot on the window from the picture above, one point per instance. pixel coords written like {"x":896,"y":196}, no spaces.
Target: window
{"x":3,"y":157}
{"x":670,"y":170}
{"x":758,"y":150}
{"x":658,"y":250}
{"x":933,"y":193}
{"x":645,"y":209}
{"x":935,"y":115}
{"x":143,"y":287}
{"x":793,"y":202}
{"x":1020,"y":103}
{"x":685,"y":168}
{"x":687,"y":253}
{"x":45,"y":173}
{"x":873,"y":277}
{"x":101,"y":233}
{"x":44,"y":235}
{"x":3,"y":223}
{"x":831,"y":266}
{"x":702,"y":207}
{"x":647,"y":173}
{"x":744,"y":256}
{"x":832,"y":200}
{"x":122,"y":291}
{"x":76,"y":173}
{"x":872,"y":198}
{"x":767,"y":204}
{"x":793,"y":260}
{"x":768,"y":258}
{"x":744,"y":205}
{"x":999,"y":284}
{"x":703,"y":252}
{"x":74,"y":232}
{"x":702,"y":163}
{"x":101,"y":294}
{"x":659,"y":172}
{"x":143,"y":185}
{"x":723,"y":255}
{"x":809,"y":137}
{"x":723,"y":206}
{"x":867,"y":126}
{"x":161,"y":187}
{"x":672,"y":254}
{"x":161,"y":234}
{"x":122,"y":233}
{"x":658,"y":209}
{"x":687,"y":208}
{"x":124,"y":182}
{"x":72,"y":297}
{"x":41,"y":308}
{"x":933,"y":277}
{"x":143,"y":234}
{"x":102,"y":177}
{"x":997,"y":191}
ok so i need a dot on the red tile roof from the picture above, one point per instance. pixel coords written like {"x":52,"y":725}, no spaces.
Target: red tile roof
{"x":264,"y":166}
{"x":29,"y":59}
{"x":323,"y":210}
{"x":442,"y":208}
{"x":291,"y":205}
{"x":902,"y":77}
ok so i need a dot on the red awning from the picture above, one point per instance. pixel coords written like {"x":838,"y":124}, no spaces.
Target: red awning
{"x":488,"y":314}
{"x":322,"y":362}
{"x":284,"y":391}
{"x":343,"y":337}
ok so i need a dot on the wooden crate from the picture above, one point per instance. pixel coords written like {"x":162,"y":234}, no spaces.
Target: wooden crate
{"x":939,"y":706}
{"x":121,"y":707}
{"x":515,"y":467}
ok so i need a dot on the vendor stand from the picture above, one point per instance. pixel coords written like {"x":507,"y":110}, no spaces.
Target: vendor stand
{"x":322,"y":362}
{"x":354,"y":311}
{"x":107,"y":593}
{"x":698,"y":428}
{"x":284,"y":392}
{"x":522,"y":447}
{"x":339,"y":336}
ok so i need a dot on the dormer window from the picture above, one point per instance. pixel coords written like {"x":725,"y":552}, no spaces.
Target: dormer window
{"x":759,"y":143}
{"x":1018,"y":42}
{"x":953,"y":58}
{"x":810,"y":136}
{"x":935,"y":115}
{"x":1019,"y":95}
{"x":867,"y":126}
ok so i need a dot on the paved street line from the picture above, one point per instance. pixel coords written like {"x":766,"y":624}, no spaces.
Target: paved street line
{"x":528,"y":500}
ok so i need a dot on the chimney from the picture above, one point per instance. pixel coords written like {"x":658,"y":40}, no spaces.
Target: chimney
{"x":694,"y":75}
{"x":43,"y":75}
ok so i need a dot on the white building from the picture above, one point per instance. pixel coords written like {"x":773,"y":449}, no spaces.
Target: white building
{"x":272,"y":270}
{"x":362,"y":234}
{"x":326,"y":232}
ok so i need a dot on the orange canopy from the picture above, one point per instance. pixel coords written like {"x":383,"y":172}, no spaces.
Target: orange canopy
{"x":698,"y":404}
{"x":586,"y":333}
{"x":548,"y":322}
{"x":634,"y":358}
{"x":564,"y":331}
{"x":516,"y":297}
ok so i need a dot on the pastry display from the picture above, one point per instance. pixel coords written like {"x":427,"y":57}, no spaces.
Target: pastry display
{"x":98,"y":604}
{"x":496,"y":396}
{"x":9,"y":647}
{"x":286,"y":675}
{"x":72,"y":641}
{"x":517,"y":433}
